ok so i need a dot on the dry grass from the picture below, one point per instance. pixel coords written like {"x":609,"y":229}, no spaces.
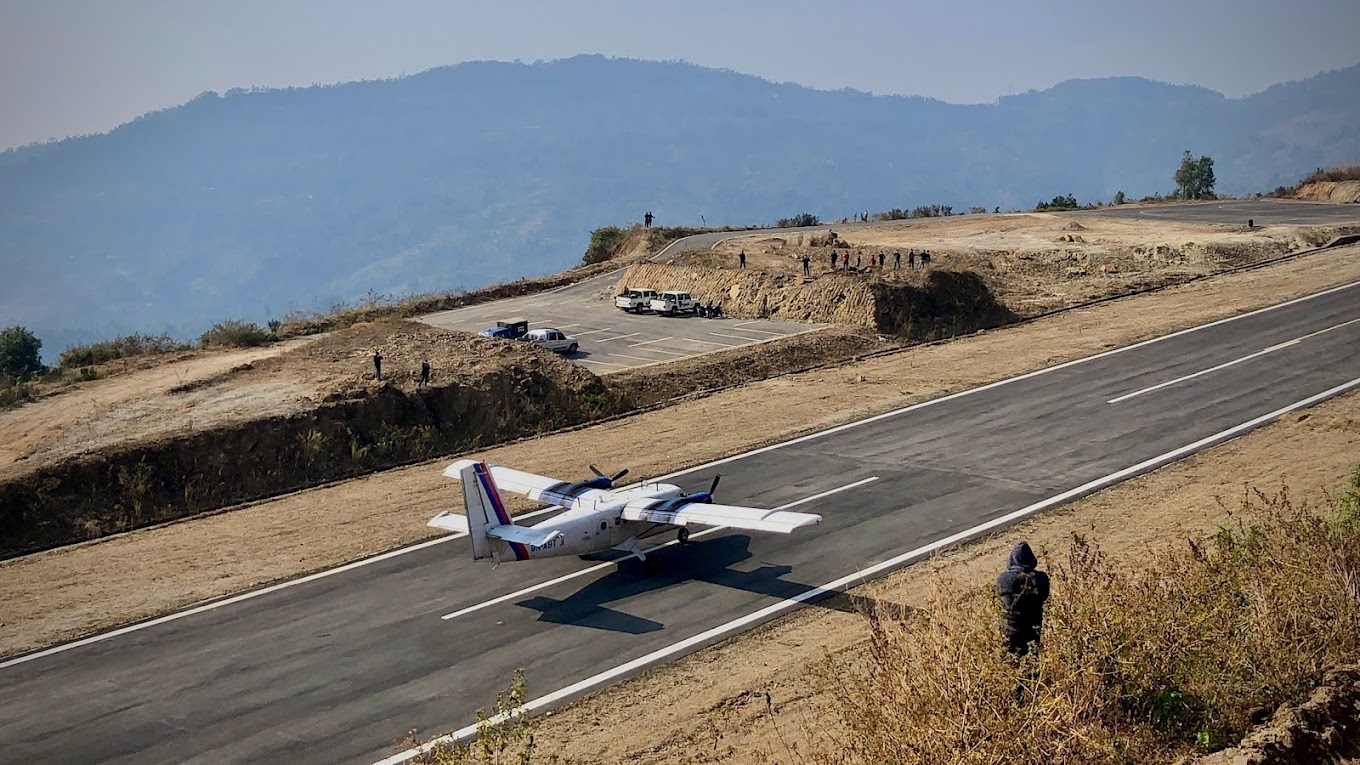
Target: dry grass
{"x":1138,"y":664}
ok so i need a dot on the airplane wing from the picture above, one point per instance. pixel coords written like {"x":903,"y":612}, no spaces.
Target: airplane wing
{"x":549,"y":491}
{"x":681,"y":511}
{"x":523,"y":534}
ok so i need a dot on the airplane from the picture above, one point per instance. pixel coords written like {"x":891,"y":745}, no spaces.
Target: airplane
{"x":596,"y":517}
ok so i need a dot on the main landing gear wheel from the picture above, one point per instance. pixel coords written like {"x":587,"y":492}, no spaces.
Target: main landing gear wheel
{"x":682,"y":536}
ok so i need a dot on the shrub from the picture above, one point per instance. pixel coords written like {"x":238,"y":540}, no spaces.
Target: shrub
{"x":20,"y":353}
{"x":235,"y":334}
{"x":604,"y":244}
{"x":1335,"y":174}
{"x":123,"y":347}
{"x":1138,"y":664}
{"x":505,"y":736}
{"x":798,"y":221}
{"x":1059,"y":203}
{"x":1119,"y":198}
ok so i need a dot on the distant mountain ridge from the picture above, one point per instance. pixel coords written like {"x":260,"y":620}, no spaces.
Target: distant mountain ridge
{"x":253,"y":203}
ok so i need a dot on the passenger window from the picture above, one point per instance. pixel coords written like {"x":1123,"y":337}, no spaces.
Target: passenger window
{"x":604,"y":525}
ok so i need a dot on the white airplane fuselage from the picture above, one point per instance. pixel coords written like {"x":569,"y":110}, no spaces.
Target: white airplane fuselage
{"x":595,"y":527}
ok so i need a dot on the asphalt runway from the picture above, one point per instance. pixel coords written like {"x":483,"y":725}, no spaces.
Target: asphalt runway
{"x":338,"y":667}
{"x":1263,"y":212}
{"x":611,"y":340}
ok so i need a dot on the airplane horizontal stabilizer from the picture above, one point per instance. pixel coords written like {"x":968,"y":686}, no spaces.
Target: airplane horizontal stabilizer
{"x":449,"y":521}
{"x":523,"y":535}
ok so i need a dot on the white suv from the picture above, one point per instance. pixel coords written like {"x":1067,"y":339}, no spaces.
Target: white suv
{"x":552,"y":339}
{"x":635,"y":300}
{"x":673,"y":302}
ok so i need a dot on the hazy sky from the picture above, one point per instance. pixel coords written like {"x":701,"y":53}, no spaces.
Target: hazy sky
{"x":78,"y":66}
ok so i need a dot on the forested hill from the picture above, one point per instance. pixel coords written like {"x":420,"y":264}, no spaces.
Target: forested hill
{"x":251,"y":203}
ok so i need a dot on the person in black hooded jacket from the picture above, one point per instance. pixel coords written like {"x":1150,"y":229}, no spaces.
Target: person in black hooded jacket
{"x":1022,"y":589}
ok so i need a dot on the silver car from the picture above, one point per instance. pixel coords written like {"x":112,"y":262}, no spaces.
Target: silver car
{"x":552,"y":339}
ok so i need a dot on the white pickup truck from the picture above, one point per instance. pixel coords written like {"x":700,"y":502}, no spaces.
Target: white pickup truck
{"x":638,"y":300}
{"x":673,"y":302}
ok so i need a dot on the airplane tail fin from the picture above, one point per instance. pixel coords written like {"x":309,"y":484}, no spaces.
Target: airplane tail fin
{"x":484,"y":506}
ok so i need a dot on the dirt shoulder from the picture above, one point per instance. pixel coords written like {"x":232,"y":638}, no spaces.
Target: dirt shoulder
{"x":64,"y":593}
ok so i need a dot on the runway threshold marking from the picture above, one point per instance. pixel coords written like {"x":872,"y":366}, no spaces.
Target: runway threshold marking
{"x":607,"y":564}
{"x":231,"y":600}
{"x":1234,"y":362}
{"x":859,"y":577}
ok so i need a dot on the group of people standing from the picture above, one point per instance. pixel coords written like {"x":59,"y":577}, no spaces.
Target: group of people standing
{"x":879,"y":260}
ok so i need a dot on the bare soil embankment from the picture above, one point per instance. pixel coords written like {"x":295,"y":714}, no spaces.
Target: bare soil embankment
{"x":67,"y":592}
{"x":1336,"y":192}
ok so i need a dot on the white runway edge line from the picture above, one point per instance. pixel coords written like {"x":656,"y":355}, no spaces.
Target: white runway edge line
{"x":1234,"y":362}
{"x":862,"y":576}
{"x":607,"y":564}
{"x":839,"y":428}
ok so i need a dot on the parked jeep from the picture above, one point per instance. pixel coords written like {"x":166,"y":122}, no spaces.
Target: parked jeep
{"x":508,"y":329}
{"x":672,"y":302}
{"x":638,"y":300}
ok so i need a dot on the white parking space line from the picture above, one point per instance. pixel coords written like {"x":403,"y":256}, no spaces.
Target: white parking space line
{"x":604,"y":363}
{"x":607,"y":564}
{"x":593,"y":331}
{"x":620,"y":337}
{"x":734,"y":337}
{"x":709,"y":342}
{"x":744,"y":323}
{"x":1234,"y":362}
{"x":669,"y":353}
{"x":649,"y":342}
{"x":762,"y":331}
{"x":555,"y":326}
{"x":635,"y":358}
{"x":863,"y":575}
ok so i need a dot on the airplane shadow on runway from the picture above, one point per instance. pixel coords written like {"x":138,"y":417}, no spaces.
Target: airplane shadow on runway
{"x":707,"y":561}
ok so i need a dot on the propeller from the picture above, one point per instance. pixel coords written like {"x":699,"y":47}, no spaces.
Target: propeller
{"x":610,"y":479}
{"x":706,"y":496}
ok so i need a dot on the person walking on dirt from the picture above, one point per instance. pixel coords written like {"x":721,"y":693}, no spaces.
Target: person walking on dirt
{"x":845,"y":260}
{"x":741,"y":259}
{"x":807,"y":268}
{"x":424,"y":373}
{"x":911,"y":259}
{"x":897,"y":260}
{"x":1023,"y":588}
{"x":377,"y":364}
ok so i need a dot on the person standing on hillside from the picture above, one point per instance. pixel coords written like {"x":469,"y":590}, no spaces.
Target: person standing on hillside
{"x":925,"y":258}
{"x":911,"y":259}
{"x":845,"y":260}
{"x":647,"y":220}
{"x":807,"y":268}
{"x":741,"y":259}
{"x":833,"y":260}
{"x":377,"y":364}
{"x":424,"y":373}
{"x":1023,"y":588}
{"x":897,"y":260}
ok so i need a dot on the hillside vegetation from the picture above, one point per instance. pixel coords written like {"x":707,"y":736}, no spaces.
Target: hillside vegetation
{"x":255,"y":204}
